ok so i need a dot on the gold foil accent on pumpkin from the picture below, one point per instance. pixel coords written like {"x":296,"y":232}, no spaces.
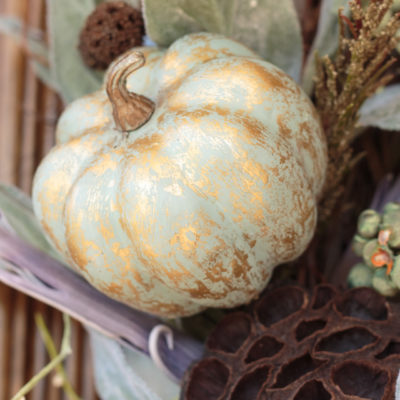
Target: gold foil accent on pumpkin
{"x":198,"y":258}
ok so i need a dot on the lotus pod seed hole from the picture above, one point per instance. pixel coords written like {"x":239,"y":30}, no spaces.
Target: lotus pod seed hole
{"x":363,"y":303}
{"x":250,"y":384}
{"x":347,"y":340}
{"x":295,"y":369}
{"x":323,"y":295}
{"x":307,"y":328}
{"x":313,"y":390}
{"x":361,"y":379}
{"x":265,"y":347}
{"x":230,"y":334}
{"x":280,"y":304}
{"x":392,"y":349}
{"x":208,"y":380}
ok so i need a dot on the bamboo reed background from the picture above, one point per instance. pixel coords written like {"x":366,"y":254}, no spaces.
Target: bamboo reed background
{"x":28,"y":114}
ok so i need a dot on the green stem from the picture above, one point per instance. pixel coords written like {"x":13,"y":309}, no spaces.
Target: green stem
{"x":51,"y":349}
{"x":65,"y":351}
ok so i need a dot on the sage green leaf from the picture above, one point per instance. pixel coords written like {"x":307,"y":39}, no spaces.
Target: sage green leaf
{"x":270,"y":29}
{"x":133,"y":3}
{"x":125,"y":374}
{"x":382,"y":109}
{"x":326,"y":38}
{"x":37,"y":48}
{"x":18,"y":211}
{"x":65,"y":21}
{"x":167,"y":22}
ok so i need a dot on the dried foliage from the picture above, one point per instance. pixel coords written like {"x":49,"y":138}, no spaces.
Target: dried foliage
{"x":359,"y":68}
{"x":298,"y":345}
{"x":110,"y":30}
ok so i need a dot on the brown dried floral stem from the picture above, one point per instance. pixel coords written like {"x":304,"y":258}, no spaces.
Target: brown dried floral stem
{"x":344,"y":83}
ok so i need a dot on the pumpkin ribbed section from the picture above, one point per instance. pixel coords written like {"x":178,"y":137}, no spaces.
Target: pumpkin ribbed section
{"x":196,"y":207}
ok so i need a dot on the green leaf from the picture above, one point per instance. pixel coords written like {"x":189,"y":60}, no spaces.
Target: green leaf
{"x":273,"y":31}
{"x":125,"y":374}
{"x":133,"y":3}
{"x":326,"y":38}
{"x":157,"y":13}
{"x":270,"y":29}
{"x":65,"y":21}
{"x":382,"y":110}
{"x":17,"y":209}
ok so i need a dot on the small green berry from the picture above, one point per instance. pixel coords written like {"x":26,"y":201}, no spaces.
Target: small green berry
{"x":383,"y":284}
{"x":358,"y":244}
{"x":391,"y":222}
{"x":370,"y":248}
{"x":368,"y":223}
{"x":395,"y":274}
{"x":391,"y":207}
{"x":360,"y":275}
{"x":394,"y":239}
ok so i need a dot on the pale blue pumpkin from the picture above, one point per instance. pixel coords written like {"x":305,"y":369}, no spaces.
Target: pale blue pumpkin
{"x":195,"y":207}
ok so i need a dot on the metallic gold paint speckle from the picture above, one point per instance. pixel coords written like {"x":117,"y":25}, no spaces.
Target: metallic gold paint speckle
{"x":195,"y":208}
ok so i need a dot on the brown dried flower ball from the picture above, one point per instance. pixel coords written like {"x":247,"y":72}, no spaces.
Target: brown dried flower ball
{"x":295,"y":345}
{"x":110,"y":30}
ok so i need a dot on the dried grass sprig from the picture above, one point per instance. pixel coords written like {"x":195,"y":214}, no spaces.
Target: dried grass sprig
{"x":343,"y":83}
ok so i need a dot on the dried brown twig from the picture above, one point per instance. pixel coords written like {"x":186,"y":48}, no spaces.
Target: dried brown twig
{"x":344,"y":83}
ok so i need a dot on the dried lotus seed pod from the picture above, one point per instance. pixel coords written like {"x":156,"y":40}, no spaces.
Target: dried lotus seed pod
{"x":296,"y":345}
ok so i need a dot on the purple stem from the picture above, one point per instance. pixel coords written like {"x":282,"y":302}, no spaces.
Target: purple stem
{"x":61,"y":288}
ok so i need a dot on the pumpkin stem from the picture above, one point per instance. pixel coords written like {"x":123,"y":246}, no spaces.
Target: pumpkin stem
{"x":130,"y":110}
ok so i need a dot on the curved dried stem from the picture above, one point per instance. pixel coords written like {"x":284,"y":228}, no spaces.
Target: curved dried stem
{"x":130,"y":110}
